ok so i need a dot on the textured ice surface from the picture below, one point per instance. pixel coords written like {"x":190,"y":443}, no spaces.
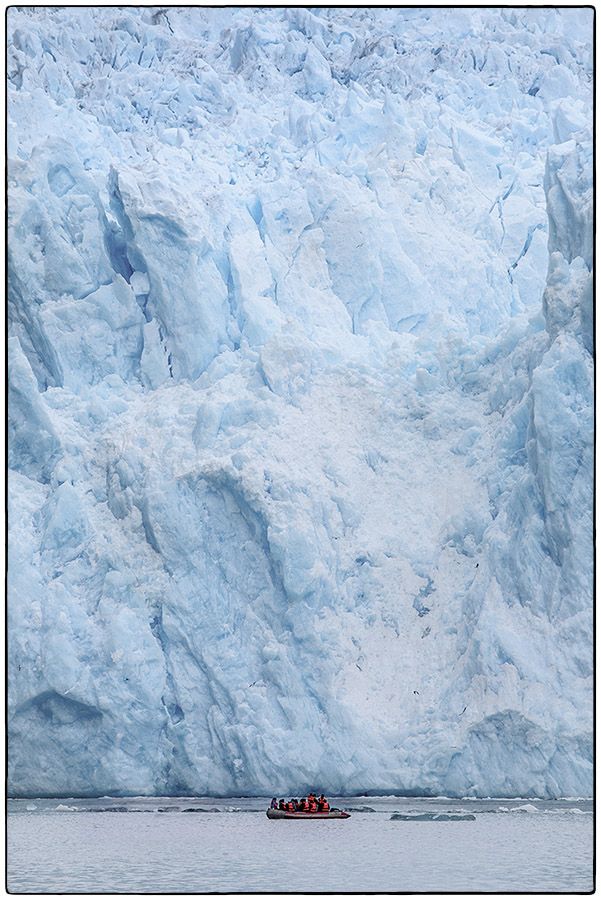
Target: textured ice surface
{"x":300,"y":400}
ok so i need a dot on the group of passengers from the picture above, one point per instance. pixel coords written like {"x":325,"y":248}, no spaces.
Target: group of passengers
{"x":310,"y":804}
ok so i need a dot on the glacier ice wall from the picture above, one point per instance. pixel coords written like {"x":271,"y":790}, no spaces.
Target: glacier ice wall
{"x":300,"y":400}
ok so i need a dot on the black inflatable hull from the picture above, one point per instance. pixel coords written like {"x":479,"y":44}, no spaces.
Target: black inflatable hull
{"x":285,"y":814}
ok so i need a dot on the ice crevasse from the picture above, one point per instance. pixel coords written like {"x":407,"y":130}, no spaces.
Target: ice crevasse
{"x":300,"y":401}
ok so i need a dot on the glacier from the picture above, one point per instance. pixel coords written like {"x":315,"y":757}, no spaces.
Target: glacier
{"x":300,"y":401}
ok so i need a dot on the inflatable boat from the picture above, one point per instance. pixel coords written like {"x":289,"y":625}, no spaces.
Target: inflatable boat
{"x":287,"y":814}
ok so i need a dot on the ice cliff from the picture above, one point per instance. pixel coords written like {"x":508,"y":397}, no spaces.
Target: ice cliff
{"x":300,"y":400}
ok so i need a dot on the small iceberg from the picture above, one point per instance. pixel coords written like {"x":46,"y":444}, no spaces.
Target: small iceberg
{"x":434,"y":817}
{"x":359,"y":809}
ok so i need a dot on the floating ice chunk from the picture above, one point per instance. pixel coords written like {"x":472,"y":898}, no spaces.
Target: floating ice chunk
{"x":433,"y":817}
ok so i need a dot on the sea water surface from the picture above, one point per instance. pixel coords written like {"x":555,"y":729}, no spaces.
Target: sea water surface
{"x":389,"y":844}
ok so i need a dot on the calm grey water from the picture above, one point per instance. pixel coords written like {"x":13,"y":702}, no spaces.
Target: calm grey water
{"x":201,"y":845}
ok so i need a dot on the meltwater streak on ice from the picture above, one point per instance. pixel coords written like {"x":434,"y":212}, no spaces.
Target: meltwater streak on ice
{"x":300,"y":401}
{"x":242,"y":850}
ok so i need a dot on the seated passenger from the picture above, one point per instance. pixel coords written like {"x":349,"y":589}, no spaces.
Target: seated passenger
{"x":290,"y":806}
{"x":274,"y":803}
{"x":302,"y":806}
{"x":282,"y":804}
